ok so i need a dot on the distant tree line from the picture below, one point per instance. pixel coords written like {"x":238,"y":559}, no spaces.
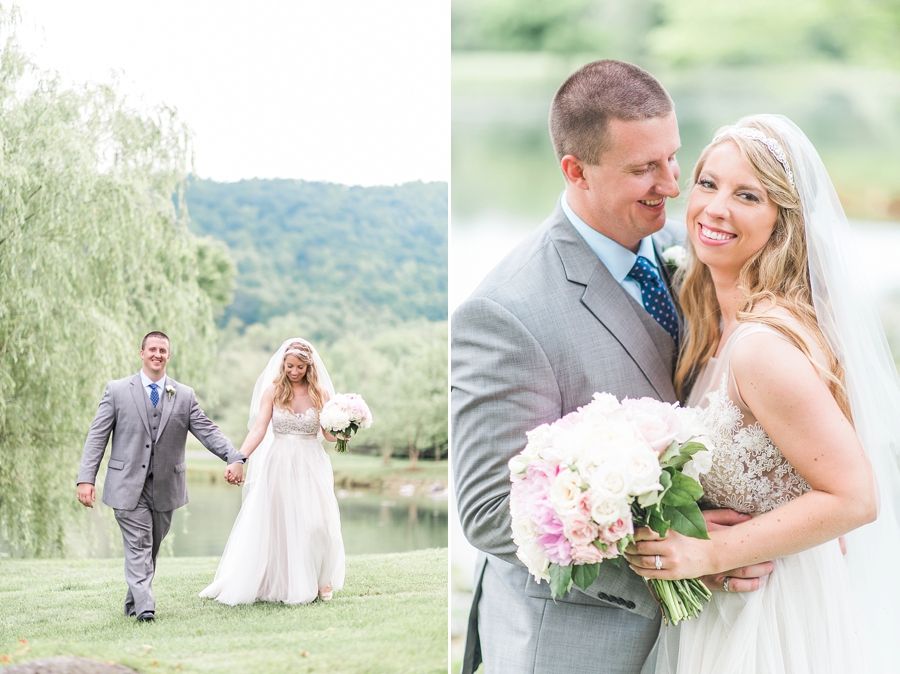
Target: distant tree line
{"x":687,"y":32}
{"x":376,"y":253}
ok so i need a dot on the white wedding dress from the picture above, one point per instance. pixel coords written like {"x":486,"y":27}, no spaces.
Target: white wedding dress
{"x":286,"y":542}
{"x":804,"y":618}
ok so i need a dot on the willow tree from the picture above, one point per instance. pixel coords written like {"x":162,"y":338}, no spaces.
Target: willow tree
{"x":94,"y":253}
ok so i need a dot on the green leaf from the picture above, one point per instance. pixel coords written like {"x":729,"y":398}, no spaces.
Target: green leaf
{"x":658,"y":524}
{"x":687,"y":520}
{"x":560,"y":580}
{"x":670,"y":453}
{"x":684,"y":490}
{"x":682,"y":456}
{"x":584,"y":575}
{"x":665,"y":478}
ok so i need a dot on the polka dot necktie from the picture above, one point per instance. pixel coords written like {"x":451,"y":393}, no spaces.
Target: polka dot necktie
{"x":655,"y":296}
{"x":154,"y":394}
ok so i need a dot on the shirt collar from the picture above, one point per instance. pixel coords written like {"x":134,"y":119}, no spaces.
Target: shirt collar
{"x":615,"y":257}
{"x":147,"y":381}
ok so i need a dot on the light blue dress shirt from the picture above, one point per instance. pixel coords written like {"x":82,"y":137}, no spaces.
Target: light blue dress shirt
{"x":146,"y":381}
{"x":617,"y":259}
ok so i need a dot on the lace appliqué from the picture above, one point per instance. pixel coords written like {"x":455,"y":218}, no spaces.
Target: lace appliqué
{"x":749,"y":474}
{"x":285,"y":421}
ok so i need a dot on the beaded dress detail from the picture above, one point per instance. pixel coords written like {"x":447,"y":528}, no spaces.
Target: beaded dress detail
{"x":749,"y":474}
{"x":303,"y":423}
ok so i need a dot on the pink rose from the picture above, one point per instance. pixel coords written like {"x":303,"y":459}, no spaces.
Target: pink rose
{"x":587,"y":554}
{"x":617,"y":530}
{"x":581,"y":531}
{"x":655,"y":421}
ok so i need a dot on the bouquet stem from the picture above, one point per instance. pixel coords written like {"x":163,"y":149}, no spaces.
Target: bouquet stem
{"x":340,"y":445}
{"x":678,"y":599}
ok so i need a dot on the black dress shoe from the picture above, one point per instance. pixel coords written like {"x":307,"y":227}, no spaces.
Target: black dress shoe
{"x":146,"y":617}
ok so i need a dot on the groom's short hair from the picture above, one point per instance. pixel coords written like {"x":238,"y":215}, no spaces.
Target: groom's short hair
{"x":592,"y":96}
{"x":155,"y":333}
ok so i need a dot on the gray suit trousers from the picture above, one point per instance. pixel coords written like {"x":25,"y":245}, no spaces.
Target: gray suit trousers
{"x":143,"y":530}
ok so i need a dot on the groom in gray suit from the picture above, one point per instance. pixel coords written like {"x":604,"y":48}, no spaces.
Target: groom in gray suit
{"x":582,"y":305}
{"x":149,"y":416}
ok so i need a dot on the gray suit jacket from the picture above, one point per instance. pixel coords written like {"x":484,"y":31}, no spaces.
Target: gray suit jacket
{"x":547,"y":328}
{"x":123,"y":414}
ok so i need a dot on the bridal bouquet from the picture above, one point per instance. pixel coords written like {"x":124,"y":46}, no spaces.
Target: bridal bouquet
{"x":343,"y":415}
{"x":583,"y":483}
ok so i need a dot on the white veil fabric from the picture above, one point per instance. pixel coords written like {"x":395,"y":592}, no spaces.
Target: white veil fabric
{"x":256,"y":466}
{"x":846,"y":313}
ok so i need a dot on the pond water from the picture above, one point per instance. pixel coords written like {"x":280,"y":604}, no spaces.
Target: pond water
{"x":370,"y":522}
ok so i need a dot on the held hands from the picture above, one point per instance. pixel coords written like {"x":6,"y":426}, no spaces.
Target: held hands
{"x":234,"y":473}
{"x":86,"y":494}
{"x":677,"y":556}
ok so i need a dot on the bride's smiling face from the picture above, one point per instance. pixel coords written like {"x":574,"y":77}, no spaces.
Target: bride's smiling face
{"x":730,"y":216}
{"x":294,"y":368}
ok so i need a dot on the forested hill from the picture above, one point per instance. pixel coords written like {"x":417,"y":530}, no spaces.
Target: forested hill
{"x":306,"y":246}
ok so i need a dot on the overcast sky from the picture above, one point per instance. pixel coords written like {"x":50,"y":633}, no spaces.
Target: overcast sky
{"x":354,"y":92}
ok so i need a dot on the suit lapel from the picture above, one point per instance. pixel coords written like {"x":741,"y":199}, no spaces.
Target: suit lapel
{"x":168,"y":406}
{"x":137,"y":391}
{"x":612,"y":306}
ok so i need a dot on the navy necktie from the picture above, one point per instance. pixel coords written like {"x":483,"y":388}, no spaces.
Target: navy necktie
{"x":655,"y":296}
{"x":154,"y":394}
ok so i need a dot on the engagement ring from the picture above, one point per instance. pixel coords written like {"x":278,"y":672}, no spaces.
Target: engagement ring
{"x":725,"y":583}
{"x":658,"y":563}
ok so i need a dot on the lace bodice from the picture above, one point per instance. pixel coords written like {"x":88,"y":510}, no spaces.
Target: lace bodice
{"x":285,"y":421}
{"x":749,"y":474}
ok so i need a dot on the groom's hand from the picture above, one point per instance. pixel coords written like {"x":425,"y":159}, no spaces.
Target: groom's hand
{"x":86,"y":494}
{"x":234,"y":473}
{"x":745,"y":579}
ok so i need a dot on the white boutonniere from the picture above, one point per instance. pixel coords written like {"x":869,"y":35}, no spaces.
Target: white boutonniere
{"x":675,"y":256}
{"x":170,"y":390}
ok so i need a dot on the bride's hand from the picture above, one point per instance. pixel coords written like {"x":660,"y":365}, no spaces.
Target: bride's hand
{"x":670,"y":558}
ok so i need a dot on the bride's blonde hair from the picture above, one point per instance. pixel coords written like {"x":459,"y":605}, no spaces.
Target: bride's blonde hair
{"x":777,"y":275}
{"x":284,"y":391}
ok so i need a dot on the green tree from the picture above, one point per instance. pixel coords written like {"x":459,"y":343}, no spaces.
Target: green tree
{"x":94,"y":253}
{"x":775,"y":32}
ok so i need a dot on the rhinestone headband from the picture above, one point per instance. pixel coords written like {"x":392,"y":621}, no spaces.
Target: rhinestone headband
{"x":295,"y":352}
{"x":773,"y":145}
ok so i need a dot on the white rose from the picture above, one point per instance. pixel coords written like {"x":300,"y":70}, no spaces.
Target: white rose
{"x":532,"y":556}
{"x":699,"y":464}
{"x":610,"y":479}
{"x":565,"y":492}
{"x":518,"y":464}
{"x":540,"y":438}
{"x":605,"y":511}
{"x":643,"y":470}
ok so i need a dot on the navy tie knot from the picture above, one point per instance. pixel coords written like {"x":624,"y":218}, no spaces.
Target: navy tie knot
{"x":655,"y":296}
{"x":154,"y":393}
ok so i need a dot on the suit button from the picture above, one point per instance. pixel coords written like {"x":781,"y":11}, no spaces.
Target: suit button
{"x":148,"y":446}
{"x":603,"y":596}
{"x":143,"y":466}
{"x":629,"y":604}
{"x":620,"y":601}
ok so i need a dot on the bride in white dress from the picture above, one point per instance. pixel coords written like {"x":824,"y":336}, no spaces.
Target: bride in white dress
{"x":789,"y":357}
{"x":286,"y":542}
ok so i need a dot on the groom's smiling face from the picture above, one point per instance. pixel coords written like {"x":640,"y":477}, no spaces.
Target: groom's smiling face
{"x":625,"y":194}
{"x":155,"y":355}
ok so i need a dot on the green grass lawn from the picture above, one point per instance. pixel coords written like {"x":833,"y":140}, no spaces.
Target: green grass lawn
{"x":391,"y":616}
